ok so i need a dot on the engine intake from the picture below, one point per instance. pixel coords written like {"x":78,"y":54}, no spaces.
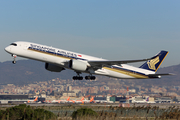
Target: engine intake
{"x":77,"y":65}
{"x":53,"y":67}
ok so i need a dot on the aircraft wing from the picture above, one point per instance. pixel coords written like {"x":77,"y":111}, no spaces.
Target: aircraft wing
{"x":109,"y":63}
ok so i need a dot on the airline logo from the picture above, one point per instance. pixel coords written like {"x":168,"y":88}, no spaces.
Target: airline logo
{"x":147,"y":99}
{"x":79,"y":55}
{"x":152,"y":63}
{"x":52,"y":50}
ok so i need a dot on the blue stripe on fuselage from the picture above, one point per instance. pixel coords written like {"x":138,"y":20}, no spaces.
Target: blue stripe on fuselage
{"x":120,"y":68}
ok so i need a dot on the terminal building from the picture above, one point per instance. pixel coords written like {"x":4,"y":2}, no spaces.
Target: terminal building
{"x":13,"y":98}
{"x":164,"y":100}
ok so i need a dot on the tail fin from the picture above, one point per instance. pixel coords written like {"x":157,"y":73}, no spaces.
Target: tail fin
{"x":68,"y":98}
{"x":82,"y":98}
{"x":154,"y":64}
{"x":36,"y":98}
{"x":147,"y":99}
{"x":92,"y":99}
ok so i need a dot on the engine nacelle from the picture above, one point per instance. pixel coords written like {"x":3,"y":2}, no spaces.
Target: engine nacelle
{"x":77,"y":65}
{"x":53,"y":67}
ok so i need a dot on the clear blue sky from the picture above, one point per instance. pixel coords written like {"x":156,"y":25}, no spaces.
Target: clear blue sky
{"x":114,"y":30}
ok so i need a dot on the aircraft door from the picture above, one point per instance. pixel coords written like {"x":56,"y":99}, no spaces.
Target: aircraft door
{"x":25,"y":46}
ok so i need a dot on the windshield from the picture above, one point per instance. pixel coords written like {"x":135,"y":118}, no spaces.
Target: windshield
{"x":14,"y":44}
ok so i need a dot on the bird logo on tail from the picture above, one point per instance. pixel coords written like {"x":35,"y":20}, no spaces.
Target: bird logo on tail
{"x":152,"y":63}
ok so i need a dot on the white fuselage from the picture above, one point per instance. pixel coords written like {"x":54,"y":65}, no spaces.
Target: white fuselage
{"x":62,"y":57}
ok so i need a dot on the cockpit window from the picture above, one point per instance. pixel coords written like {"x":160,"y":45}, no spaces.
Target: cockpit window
{"x":14,"y":44}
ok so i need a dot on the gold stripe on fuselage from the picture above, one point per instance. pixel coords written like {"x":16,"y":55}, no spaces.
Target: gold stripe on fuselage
{"x":126,"y":72}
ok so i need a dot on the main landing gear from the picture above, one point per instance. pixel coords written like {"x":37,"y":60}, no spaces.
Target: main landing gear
{"x":90,"y":77}
{"x":14,"y":59}
{"x":78,"y":77}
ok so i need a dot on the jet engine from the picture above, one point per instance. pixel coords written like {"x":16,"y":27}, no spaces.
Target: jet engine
{"x":53,"y":67}
{"x":77,"y":65}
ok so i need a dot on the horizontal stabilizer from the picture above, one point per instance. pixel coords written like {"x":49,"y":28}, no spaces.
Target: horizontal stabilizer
{"x":159,"y":75}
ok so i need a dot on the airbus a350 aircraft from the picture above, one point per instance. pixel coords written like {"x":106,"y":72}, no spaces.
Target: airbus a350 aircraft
{"x":57,"y":60}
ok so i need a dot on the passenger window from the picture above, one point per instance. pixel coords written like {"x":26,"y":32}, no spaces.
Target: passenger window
{"x":14,"y":44}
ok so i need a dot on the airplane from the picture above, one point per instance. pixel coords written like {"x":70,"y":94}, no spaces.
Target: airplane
{"x":100,"y":101}
{"x":57,"y":60}
{"x":76,"y":101}
{"x":89,"y":101}
{"x":143,"y":101}
{"x":59,"y":101}
{"x":33,"y":101}
{"x":80,"y":101}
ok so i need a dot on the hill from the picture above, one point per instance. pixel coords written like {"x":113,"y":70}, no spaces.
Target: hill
{"x":30,"y":71}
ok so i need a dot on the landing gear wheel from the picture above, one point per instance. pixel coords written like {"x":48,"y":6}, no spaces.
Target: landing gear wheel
{"x":14,"y":62}
{"x":74,"y":77}
{"x":77,"y":78}
{"x":87,"y":77}
{"x":90,"y":77}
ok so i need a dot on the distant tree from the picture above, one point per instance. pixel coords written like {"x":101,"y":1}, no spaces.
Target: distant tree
{"x":22,"y":112}
{"x":40,"y":114}
{"x":2,"y":114}
{"x":82,"y":112}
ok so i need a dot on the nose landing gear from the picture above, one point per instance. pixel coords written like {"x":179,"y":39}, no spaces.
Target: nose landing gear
{"x":14,"y":59}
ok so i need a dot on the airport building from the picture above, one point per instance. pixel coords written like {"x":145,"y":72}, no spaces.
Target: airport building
{"x":163,"y":100}
{"x":13,"y":98}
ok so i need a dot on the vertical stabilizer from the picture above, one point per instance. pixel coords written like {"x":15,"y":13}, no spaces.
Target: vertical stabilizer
{"x":92,"y":99}
{"x":68,"y":99}
{"x":155,"y":63}
{"x":82,"y":98}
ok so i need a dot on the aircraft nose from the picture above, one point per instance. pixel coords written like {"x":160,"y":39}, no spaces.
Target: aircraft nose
{"x":7,"y":49}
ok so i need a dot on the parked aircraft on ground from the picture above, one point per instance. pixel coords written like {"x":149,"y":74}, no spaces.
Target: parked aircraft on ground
{"x":74,"y":101}
{"x":57,"y":60}
{"x":89,"y":101}
{"x":33,"y":101}
{"x":61,"y":101}
{"x":79,"y":101}
{"x":100,"y":101}
{"x":142,"y":100}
